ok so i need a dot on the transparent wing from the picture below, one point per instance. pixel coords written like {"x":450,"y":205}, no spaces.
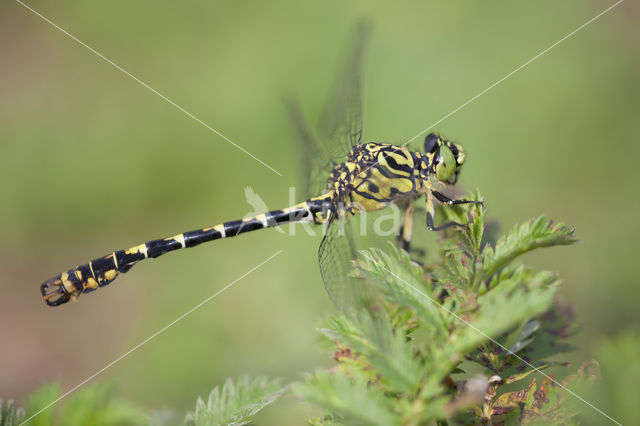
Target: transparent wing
{"x":315,"y":160}
{"x":336,"y":253}
{"x":339,"y":130}
{"x":341,"y":121}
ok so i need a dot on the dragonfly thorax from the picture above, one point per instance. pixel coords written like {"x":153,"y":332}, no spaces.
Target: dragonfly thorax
{"x":375,"y":175}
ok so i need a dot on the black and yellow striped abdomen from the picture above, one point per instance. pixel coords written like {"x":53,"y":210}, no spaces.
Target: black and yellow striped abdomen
{"x":101,"y":271}
{"x":373,"y":176}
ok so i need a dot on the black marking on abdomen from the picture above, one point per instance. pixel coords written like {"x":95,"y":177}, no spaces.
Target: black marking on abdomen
{"x":288,"y":215}
{"x":235,"y":227}
{"x":103,"y":270}
{"x":193,"y":238}
{"x":279,"y":216}
{"x":157,"y":248}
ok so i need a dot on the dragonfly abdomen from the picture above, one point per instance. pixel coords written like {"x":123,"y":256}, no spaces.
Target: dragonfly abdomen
{"x":103,"y":270}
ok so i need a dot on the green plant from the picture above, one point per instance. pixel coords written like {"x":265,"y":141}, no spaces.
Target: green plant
{"x":94,"y":405}
{"x":455,"y":342}
{"x":451,"y":342}
{"x":236,"y":403}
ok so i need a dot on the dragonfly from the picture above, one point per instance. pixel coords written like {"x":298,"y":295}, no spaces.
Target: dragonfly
{"x":358,"y":177}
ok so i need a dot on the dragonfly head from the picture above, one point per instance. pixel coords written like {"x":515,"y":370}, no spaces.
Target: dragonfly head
{"x":445,"y":158}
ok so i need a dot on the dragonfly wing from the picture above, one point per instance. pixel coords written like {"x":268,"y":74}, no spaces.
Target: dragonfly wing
{"x":341,"y":122}
{"x":336,"y":253}
{"x":315,"y":159}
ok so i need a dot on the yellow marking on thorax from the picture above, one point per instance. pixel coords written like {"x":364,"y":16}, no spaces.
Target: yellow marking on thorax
{"x":403,"y":158}
{"x":362,"y":204}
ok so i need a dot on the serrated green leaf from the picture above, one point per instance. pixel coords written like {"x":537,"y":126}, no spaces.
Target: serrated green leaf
{"x":473,"y":304}
{"x":389,"y":353}
{"x":236,"y":403}
{"x":353,"y":399}
{"x":403,"y":283}
{"x":91,"y":405}
{"x":504,"y":307}
{"x":540,"y":232}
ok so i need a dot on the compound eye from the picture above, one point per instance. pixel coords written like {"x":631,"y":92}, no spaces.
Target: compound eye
{"x":458,"y":152}
{"x":430,"y":143}
{"x":446,"y":167}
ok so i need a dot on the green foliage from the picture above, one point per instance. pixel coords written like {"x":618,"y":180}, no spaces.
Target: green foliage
{"x":403,"y":360}
{"x":352,"y":397}
{"x":10,"y":415}
{"x":93,"y":405}
{"x":236,"y":402}
{"x":461,"y":341}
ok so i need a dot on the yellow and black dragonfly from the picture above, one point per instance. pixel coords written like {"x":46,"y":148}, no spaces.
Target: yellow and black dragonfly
{"x":358,"y":177}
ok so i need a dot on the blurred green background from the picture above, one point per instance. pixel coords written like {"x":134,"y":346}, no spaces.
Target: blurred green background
{"x":91,"y":161}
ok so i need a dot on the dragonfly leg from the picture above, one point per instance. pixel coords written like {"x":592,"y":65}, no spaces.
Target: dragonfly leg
{"x":431,"y":211}
{"x":446,"y":200}
{"x":406,"y":228}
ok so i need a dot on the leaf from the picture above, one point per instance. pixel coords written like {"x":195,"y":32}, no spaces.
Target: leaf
{"x":93,"y":405}
{"x":533,"y":234}
{"x":513,"y":302}
{"x":545,"y":404}
{"x":97,"y":405}
{"x":510,"y":400}
{"x":461,"y":247}
{"x":517,"y":377}
{"x":556,"y":325}
{"x":390,"y":357}
{"x":396,"y":359}
{"x":403,"y":283}
{"x":10,"y":415}
{"x":236,"y":402}
{"x":354,"y":400}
